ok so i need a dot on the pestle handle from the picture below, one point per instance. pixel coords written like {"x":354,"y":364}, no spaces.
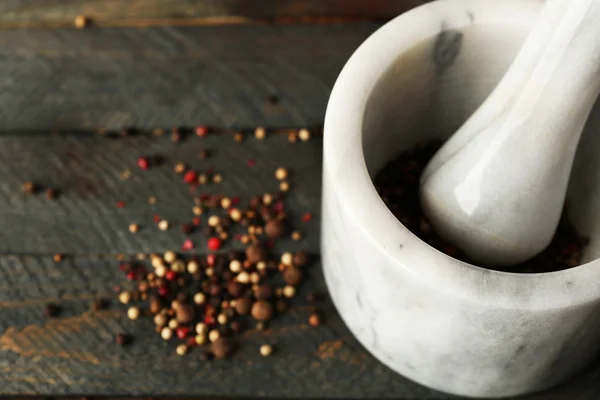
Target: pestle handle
{"x":497,"y":187}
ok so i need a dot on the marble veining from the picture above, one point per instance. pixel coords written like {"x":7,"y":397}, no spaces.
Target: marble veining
{"x":445,"y":324}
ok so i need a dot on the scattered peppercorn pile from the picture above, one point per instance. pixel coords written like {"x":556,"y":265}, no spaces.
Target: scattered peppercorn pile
{"x":400,"y":192}
{"x":206,"y":301}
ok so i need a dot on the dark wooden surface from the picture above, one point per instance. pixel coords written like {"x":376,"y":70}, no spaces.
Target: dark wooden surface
{"x":55,"y":83}
{"x":151,"y":77}
{"x":36,"y":13}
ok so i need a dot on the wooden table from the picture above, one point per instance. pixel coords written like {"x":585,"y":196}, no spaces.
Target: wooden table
{"x":143,"y":63}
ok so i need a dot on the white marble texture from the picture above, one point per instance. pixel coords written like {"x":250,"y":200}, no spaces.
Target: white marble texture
{"x":496,"y":188}
{"x":443,"y":323}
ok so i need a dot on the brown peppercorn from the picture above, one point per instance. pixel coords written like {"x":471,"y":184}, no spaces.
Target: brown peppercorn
{"x":155,"y":305}
{"x":99,"y":304}
{"x":296,"y":236}
{"x":221,"y":348}
{"x":50,"y":194}
{"x":263,"y":292}
{"x":300,"y":259}
{"x":292,"y":275}
{"x":255,"y":253}
{"x":238,"y":137}
{"x":235,"y":288}
{"x":123,"y":339}
{"x":314,"y":319}
{"x":292,"y":137}
{"x":243,"y":305}
{"x":58,"y":258}
{"x":262,"y":310}
{"x":275,"y":229}
{"x":52,"y":310}
{"x":184,"y":314}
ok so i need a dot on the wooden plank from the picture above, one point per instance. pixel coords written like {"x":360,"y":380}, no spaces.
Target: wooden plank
{"x":75,"y":354}
{"x":222,"y":76}
{"x":20,"y":13}
{"x":86,"y":169}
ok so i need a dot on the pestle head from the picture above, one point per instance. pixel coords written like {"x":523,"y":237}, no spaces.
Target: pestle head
{"x":496,"y":188}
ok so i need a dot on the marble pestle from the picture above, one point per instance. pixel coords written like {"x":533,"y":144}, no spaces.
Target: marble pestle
{"x":496,"y":188}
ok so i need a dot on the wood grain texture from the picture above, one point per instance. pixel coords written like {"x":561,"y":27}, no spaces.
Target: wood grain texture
{"x":86,"y":169}
{"x":27,"y":13}
{"x":152,"y":77}
{"x":75,"y":354}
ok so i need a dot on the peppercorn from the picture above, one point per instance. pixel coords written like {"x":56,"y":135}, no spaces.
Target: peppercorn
{"x":124,"y":297}
{"x":81,"y":21}
{"x":235,"y":288}
{"x":262,"y":310}
{"x":292,"y":137}
{"x":134,"y":228}
{"x":99,"y":304}
{"x":287,"y":259}
{"x":260,"y":133}
{"x":289,"y":291}
{"x":166,"y":333}
{"x":275,"y":229}
{"x":284,"y":186}
{"x":181,"y":349}
{"x":50,"y":194}
{"x":281,"y":173}
{"x":57,"y":258}
{"x":163,"y":225}
{"x":263,"y":292}
{"x":266,"y":350}
{"x":221,"y":348}
{"x":304,"y":134}
{"x":123,"y":339}
{"x":255,"y":253}
{"x":184,"y":314}
{"x":52,"y":310}
{"x":133,"y":313}
{"x":300,"y":259}
{"x":238,"y":137}
{"x":314,"y":319}
{"x":243,"y":305}
{"x":292,"y":276}
{"x":281,"y":306}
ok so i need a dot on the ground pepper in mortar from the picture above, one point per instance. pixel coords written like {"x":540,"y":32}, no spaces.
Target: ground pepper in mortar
{"x":400,"y":192}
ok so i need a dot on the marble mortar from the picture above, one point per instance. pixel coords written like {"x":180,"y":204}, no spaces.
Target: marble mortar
{"x":443,"y":323}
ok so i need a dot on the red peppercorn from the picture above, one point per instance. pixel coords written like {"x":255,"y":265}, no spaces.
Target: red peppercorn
{"x":131,"y":276}
{"x":209,"y":320}
{"x":182,"y":332}
{"x":201,"y":130}
{"x":306,"y":217}
{"x":143,"y":163}
{"x":278,"y":207}
{"x":120,"y":204}
{"x":187,"y":244}
{"x":196,"y":221}
{"x":214,"y":244}
{"x":163,"y":291}
{"x":156,"y":218}
{"x":210,"y":260}
{"x":123,"y":267}
{"x":235,"y":200}
{"x":170,"y":275}
{"x":251,"y":163}
{"x":192,"y":342}
{"x":190,"y":177}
